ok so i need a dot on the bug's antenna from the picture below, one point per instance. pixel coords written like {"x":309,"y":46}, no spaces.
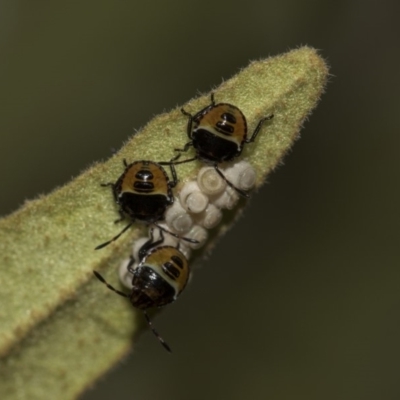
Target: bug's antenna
{"x":101,"y":279}
{"x":100,"y":246}
{"x":156,"y":334}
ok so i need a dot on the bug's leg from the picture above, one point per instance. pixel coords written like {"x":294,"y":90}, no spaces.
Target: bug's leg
{"x":240,"y":191}
{"x":176,"y":235}
{"x":101,"y":279}
{"x":189,"y":124}
{"x":111,"y":183}
{"x":108,"y":184}
{"x":174,"y":176}
{"x":100,"y":246}
{"x":173,"y":160}
{"x":185,"y":148}
{"x":185,"y":161}
{"x":121,"y":217}
{"x":212,"y":99}
{"x":258,"y":127}
{"x":129,"y":266}
{"x":150,"y":244}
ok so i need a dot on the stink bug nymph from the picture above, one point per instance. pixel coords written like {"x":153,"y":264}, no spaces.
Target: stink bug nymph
{"x":143,"y":193}
{"x":158,"y":279}
{"x":218,"y":133}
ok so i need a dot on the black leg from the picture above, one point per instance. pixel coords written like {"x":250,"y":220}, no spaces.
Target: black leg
{"x":121,"y":217}
{"x":173,"y":160}
{"x":189,"y":124}
{"x":176,"y":235}
{"x":185,"y":148}
{"x":212,"y":99}
{"x":150,"y":244}
{"x":258,"y":127}
{"x":107,"y":184}
{"x":114,"y":238}
{"x":185,"y":161}
{"x":129,"y":266}
{"x":241,"y":192}
{"x":174,"y":176}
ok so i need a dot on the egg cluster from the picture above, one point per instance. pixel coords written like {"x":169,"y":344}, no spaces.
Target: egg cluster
{"x":157,"y":269}
{"x":197,"y":209}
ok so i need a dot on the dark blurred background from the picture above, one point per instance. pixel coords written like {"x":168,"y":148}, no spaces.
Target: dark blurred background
{"x":301,"y":299}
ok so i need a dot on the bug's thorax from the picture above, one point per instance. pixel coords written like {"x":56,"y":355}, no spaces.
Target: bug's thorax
{"x":219,"y":132}
{"x":223,"y":120}
{"x":159,"y":278}
{"x":143,"y":191}
{"x":143,"y":178}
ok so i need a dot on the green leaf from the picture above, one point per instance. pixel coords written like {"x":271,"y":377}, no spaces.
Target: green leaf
{"x":60,"y":329}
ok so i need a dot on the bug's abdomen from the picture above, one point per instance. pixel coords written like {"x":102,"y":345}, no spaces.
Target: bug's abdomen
{"x":170,"y":264}
{"x":150,"y":289}
{"x":159,"y":278}
{"x":213,"y":148}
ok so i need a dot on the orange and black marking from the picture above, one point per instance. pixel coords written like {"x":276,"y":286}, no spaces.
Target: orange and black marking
{"x":159,"y":278}
{"x":171,"y":264}
{"x":144,"y":191}
{"x":144,"y":177}
{"x":218,"y":133}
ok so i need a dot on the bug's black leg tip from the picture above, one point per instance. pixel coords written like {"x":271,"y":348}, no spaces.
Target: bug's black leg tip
{"x":100,"y":246}
{"x":184,"y":112}
{"x":107,"y":184}
{"x":212,"y":98}
{"x":98,"y":276}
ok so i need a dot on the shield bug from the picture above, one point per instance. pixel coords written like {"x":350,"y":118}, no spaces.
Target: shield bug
{"x":158,"y":279}
{"x":218,"y":133}
{"x":143,"y":193}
